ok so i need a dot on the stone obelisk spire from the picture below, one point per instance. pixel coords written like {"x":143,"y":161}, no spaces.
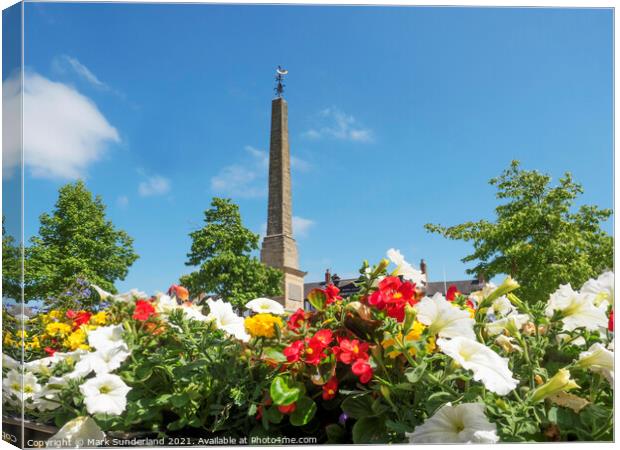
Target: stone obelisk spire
{"x":279,"y":249}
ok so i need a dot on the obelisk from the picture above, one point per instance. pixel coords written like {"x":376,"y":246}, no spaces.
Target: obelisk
{"x":279,"y":249}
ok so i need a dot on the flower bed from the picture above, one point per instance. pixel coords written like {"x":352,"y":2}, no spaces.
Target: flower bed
{"x":385,"y":365}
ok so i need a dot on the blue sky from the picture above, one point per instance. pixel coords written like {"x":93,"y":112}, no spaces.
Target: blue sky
{"x":397,"y":117}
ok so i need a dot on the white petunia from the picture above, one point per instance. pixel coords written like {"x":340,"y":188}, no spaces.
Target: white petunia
{"x":47,"y":398}
{"x":192,"y":311}
{"x":105,"y":394}
{"x":164,"y":304}
{"x":405,"y":269}
{"x":444,"y":319}
{"x":487,"y":366}
{"x":23,"y":387}
{"x":265,"y":305}
{"x":462,"y":424}
{"x":104,"y":338}
{"x":9,"y":363}
{"x":599,"y":360}
{"x":577,"y":309}
{"x":501,"y":307}
{"x":103,"y":361}
{"x":512,"y":323}
{"x":77,"y":432}
{"x":602,"y":288}
{"x":222,"y":314}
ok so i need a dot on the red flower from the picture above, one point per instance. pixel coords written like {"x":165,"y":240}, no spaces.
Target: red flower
{"x":297,"y":319}
{"x":287,"y":409}
{"x":50,"y":351}
{"x":325,"y":337}
{"x":348,"y":351}
{"x":363,"y":370}
{"x":392,"y":296}
{"x":81,"y":318}
{"x":331,"y":291}
{"x":452,"y":293}
{"x":315,"y":352}
{"x":144,"y":310}
{"x":293,"y":351}
{"x":330,"y":389}
{"x":610,"y":325}
{"x":70,"y":314}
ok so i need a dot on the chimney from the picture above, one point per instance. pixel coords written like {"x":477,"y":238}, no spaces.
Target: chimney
{"x":423,"y":267}
{"x":335,"y":279}
{"x":328,"y":277}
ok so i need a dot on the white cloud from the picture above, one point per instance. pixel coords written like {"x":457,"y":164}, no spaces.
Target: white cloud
{"x":64,"y":131}
{"x":154,"y":185}
{"x":301,"y":226}
{"x":64,"y":61}
{"x":249,"y":178}
{"x":122,"y":201}
{"x":334,"y":123}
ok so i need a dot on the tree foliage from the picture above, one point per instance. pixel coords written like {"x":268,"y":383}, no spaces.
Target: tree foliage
{"x":537,"y":237}
{"x":222,"y":251}
{"x":76,"y":240}
{"x":11,"y":266}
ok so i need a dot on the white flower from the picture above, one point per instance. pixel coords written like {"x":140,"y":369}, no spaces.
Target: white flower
{"x":132,"y":295}
{"x":560,"y":382}
{"x":444,"y":318}
{"x":226,"y":319}
{"x":465,"y":423}
{"x":577,"y":309}
{"x":265,"y":305}
{"x":602,"y":288}
{"x":599,"y":360}
{"x":192,"y":311}
{"x":77,"y":433}
{"x":12,"y":384}
{"x":488,"y":367}
{"x":103,"y":361}
{"x":104,"y":338}
{"x":501,"y":307}
{"x":164,"y":304}
{"x":512,"y":323}
{"x":9,"y":363}
{"x":46,"y":399}
{"x":105,"y":394}
{"x":405,"y":269}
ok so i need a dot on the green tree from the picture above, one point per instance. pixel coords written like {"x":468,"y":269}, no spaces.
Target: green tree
{"x":74,"y":241}
{"x":11,"y":266}
{"x":222,"y":251}
{"x":537,"y":237}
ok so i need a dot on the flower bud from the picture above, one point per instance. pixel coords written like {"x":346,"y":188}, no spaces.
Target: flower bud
{"x":410,"y":314}
{"x":561,"y":381}
{"x":507,"y":286}
{"x":381,"y":267}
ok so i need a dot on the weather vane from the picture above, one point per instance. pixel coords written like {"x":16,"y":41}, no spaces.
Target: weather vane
{"x":280,"y":72}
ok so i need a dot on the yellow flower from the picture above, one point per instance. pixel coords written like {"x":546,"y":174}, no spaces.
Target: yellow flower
{"x":8,"y":339}
{"x":58,"y":329}
{"x":262,"y":325}
{"x":77,"y":340}
{"x":34,"y":344}
{"x":99,"y":318}
{"x":414,"y":335}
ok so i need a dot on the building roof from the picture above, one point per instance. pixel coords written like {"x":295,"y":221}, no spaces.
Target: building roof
{"x":348,"y":287}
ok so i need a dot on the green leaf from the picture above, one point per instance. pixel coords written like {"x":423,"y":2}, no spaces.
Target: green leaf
{"x":318,"y":299}
{"x":179,"y":400}
{"x":369,"y":430}
{"x":358,"y":406}
{"x":304,"y":412}
{"x":273,"y":415}
{"x":335,"y":434}
{"x":284,"y":390}
{"x":414,"y":375}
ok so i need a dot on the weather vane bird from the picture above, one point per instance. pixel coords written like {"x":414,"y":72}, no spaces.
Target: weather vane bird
{"x":280,"y":72}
